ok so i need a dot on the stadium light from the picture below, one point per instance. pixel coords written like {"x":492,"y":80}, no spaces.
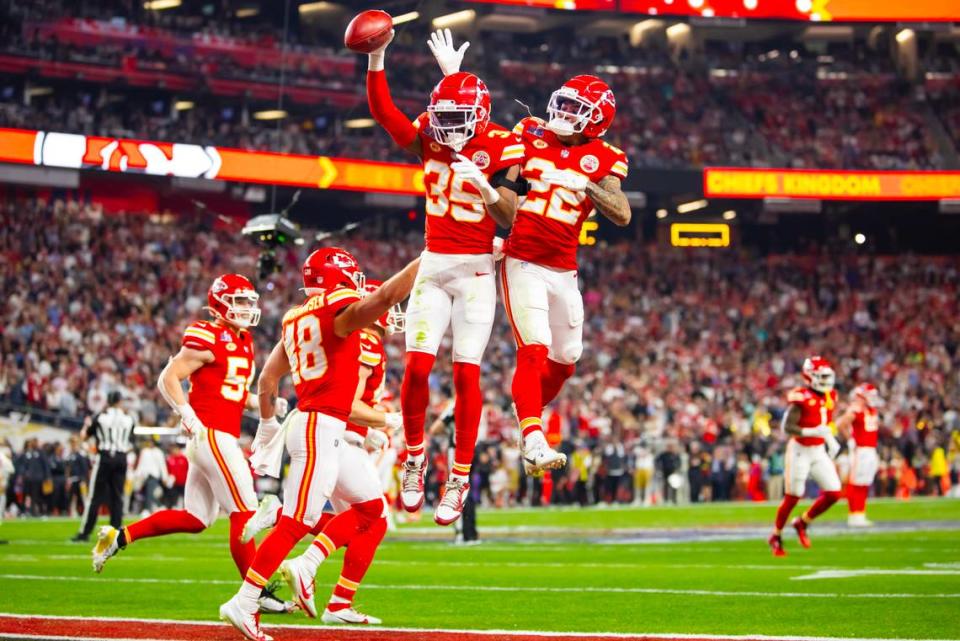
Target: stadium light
{"x":160,"y":5}
{"x":270,"y":114}
{"x":183,"y":105}
{"x":359,"y":123}
{"x":406,"y":17}
{"x":678,"y":30}
{"x":750,"y":5}
{"x":39,"y":91}
{"x":729,"y":215}
{"x":454,"y":19}
{"x":661,"y":213}
{"x":247,"y":12}
{"x":693,"y":205}
{"x":859,"y":239}
{"x":316,"y":7}
{"x":905,"y":35}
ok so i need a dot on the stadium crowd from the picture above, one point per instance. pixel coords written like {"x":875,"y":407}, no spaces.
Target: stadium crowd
{"x":731,"y":104}
{"x":678,"y":396}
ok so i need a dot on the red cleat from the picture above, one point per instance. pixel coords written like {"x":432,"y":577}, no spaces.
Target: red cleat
{"x":776,"y":545}
{"x":801,"y":527}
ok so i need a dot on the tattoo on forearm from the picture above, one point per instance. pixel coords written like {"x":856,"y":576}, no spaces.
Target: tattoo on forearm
{"x":608,"y":198}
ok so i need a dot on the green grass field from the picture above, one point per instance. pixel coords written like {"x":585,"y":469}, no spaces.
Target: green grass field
{"x":513,"y":581}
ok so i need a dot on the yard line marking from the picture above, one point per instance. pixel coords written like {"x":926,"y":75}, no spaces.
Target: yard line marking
{"x":435,"y":633}
{"x":504,"y":588}
{"x":846,"y":574}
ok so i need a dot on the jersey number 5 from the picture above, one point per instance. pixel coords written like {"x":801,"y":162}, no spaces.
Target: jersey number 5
{"x":304,"y":348}
{"x":238,"y":377}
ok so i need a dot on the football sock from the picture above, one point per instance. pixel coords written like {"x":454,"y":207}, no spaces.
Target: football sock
{"x":242,"y":553}
{"x":783,"y":512}
{"x":820,"y":506}
{"x":466,"y":413}
{"x":160,"y":523}
{"x":414,"y":398}
{"x":552,"y":378}
{"x":272,"y":551}
{"x":356,"y":561}
{"x":526,"y":387}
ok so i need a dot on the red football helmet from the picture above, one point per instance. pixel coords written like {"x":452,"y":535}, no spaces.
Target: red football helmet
{"x":459,"y":109}
{"x":232,"y":299}
{"x":869,"y":394}
{"x":394,"y":321}
{"x":583,"y":105}
{"x":819,"y":374}
{"x":329,"y":267}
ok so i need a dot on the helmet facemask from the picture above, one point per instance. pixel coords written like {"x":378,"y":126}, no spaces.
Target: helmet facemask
{"x":823,"y":379}
{"x":452,"y":124}
{"x":569,"y":113}
{"x":242,"y":309}
{"x":396,"y":320}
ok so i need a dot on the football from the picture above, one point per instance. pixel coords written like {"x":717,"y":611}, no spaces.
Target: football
{"x":368,"y":31}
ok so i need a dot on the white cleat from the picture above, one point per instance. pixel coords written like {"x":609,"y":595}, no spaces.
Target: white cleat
{"x":301,"y":584}
{"x":248,"y":623}
{"x":450,"y":507}
{"x":349,"y":616}
{"x":411,"y":485}
{"x":859,"y":520}
{"x":538,"y":456}
{"x":105,"y":547}
{"x":265,"y":517}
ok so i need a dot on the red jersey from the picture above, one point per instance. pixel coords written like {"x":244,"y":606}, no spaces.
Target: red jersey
{"x":323,"y":365}
{"x":815,"y":410}
{"x":866,"y":426}
{"x":218,"y":390}
{"x":547,"y":228}
{"x":372,"y":355}
{"x":457,"y":219}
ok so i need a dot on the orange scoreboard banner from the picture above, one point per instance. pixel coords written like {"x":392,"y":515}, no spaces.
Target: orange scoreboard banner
{"x":74,"y":151}
{"x":811,"y":10}
{"x":724,"y":182}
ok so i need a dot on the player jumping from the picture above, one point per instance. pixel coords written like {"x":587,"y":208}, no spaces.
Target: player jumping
{"x":570,"y":173}
{"x":810,"y":451}
{"x":319,"y":348}
{"x":466,"y":159}
{"x":862,"y":421}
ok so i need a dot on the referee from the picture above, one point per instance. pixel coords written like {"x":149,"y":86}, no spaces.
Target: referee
{"x":113,"y":431}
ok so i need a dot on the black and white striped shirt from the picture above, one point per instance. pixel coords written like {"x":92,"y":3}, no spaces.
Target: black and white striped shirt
{"x":113,"y":429}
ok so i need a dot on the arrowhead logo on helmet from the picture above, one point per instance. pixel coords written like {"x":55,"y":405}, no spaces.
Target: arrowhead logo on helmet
{"x":583,"y":105}
{"x":233,"y":299}
{"x":459,"y":109}
{"x":330,"y":267}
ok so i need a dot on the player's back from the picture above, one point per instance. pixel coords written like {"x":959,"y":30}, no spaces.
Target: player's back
{"x":815,"y":410}
{"x":218,"y":390}
{"x":323,"y":365}
{"x":866,"y":427}
{"x":457,"y":220}
{"x":372,"y":355}
{"x":547,"y":228}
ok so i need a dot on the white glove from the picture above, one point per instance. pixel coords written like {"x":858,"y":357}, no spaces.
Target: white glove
{"x":267,"y":429}
{"x":394,"y":422}
{"x":441,"y":45}
{"x":565,"y":178}
{"x":468,"y":170}
{"x":833,"y":445}
{"x":189,"y":421}
{"x":375,"y":58}
{"x":375,"y":440}
{"x":281,"y":407}
{"x":497,"y":249}
{"x":821,"y":431}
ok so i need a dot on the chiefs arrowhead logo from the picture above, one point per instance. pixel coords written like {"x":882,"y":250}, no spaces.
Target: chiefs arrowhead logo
{"x":589,"y":163}
{"x":481,"y":159}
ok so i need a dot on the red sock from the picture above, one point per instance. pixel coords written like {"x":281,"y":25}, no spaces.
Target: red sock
{"x":783,"y":512}
{"x":466,"y":413}
{"x":325,"y":518}
{"x":274,"y":550}
{"x":821,"y":505}
{"x":552,"y":378}
{"x":163,"y":522}
{"x":242,"y":553}
{"x":414,"y":398}
{"x":526,"y":387}
{"x":356,"y":561}
{"x":857,"y":498}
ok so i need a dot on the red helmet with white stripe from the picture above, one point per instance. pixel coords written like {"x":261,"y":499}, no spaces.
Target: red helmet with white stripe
{"x":819,"y":374}
{"x":459,"y":109}
{"x":583,"y":105}
{"x":868,"y":394}
{"x":394,"y":320}
{"x":233,"y":299}
{"x":330,"y":267}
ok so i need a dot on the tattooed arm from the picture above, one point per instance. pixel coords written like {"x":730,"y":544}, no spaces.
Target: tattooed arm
{"x":610,"y":200}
